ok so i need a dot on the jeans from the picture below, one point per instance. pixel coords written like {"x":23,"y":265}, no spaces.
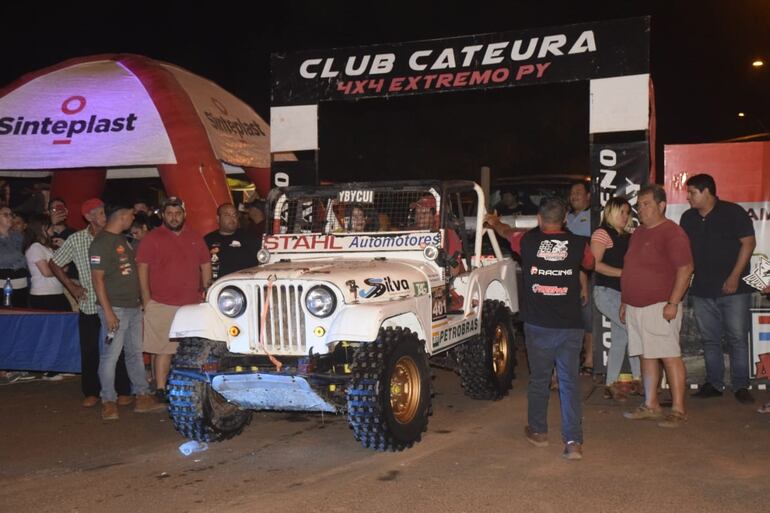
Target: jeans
{"x":546,"y":346}
{"x":608,"y":303}
{"x":128,"y":338}
{"x":727,"y":316}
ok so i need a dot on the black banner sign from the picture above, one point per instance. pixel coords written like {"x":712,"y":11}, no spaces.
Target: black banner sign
{"x":617,"y":169}
{"x":544,"y":55}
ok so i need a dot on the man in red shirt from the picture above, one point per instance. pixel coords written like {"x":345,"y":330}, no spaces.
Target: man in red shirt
{"x":174,"y":269}
{"x":656,"y":274}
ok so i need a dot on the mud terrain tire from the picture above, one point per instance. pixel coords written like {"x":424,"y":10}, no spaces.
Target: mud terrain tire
{"x":486,"y":363}
{"x":197,"y":411}
{"x":389,"y":396}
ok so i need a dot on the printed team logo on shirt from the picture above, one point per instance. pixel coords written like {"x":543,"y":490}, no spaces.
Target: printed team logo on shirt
{"x":235,"y":244}
{"x":553,"y":250}
{"x":96,"y":260}
{"x":120,"y":250}
{"x":549,"y":290}
{"x":550,"y":272}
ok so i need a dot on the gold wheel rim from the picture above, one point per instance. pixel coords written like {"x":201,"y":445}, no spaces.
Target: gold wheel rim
{"x":405,"y":390}
{"x":500,"y":352}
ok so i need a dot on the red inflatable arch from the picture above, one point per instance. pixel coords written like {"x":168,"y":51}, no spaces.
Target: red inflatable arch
{"x":79,"y":117}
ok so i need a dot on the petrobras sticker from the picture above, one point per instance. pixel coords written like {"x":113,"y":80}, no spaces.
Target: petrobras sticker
{"x":456,"y":333}
{"x":314,"y":243}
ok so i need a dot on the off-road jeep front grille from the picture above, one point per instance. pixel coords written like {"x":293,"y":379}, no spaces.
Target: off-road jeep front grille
{"x":285,"y":321}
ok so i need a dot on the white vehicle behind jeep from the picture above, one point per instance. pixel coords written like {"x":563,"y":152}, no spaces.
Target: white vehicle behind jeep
{"x":361,"y":284}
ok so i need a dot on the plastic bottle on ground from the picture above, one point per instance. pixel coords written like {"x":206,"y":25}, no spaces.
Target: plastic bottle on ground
{"x":192,"y":446}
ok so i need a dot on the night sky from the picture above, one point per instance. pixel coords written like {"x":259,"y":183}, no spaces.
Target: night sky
{"x":700,"y":61}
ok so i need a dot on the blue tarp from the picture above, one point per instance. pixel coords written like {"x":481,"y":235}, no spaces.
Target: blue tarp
{"x":39,"y":341}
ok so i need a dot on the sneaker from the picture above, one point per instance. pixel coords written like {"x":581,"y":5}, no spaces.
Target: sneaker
{"x":110,"y":411}
{"x":536,"y":439}
{"x":706,"y":391}
{"x":573,"y":451}
{"x":16,"y":376}
{"x":674,"y":419}
{"x":146,"y":403}
{"x":51,"y":376}
{"x":90,"y":401}
{"x":643,"y":413}
{"x":125,"y":400}
{"x":743,"y":396}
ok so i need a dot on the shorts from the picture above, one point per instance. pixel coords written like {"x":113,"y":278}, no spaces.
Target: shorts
{"x":650,"y":335}
{"x":157,"y":324}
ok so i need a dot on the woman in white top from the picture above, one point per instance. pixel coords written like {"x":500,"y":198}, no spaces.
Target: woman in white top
{"x":47,"y":292}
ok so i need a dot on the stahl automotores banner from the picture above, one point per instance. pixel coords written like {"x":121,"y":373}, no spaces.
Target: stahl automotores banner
{"x":543,"y":55}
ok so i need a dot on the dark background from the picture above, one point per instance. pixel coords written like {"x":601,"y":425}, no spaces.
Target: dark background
{"x":701,"y":54}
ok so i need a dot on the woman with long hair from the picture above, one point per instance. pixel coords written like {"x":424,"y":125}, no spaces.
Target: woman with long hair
{"x":609,"y":244}
{"x":47,"y":292}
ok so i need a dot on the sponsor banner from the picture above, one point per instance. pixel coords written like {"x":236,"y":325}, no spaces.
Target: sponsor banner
{"x":725,"y":162}
{"x":741,"y":172}
{"x":284,"y":173}
{"x":760,"y":336}
{"x":617,"y":169}
{"x":543,"y":55}
{"x":237,"y":134}
{"x":319,"y":243}
{"x":95,"y":114}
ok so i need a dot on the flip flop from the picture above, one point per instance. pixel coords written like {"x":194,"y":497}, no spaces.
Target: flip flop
{"x":765,"y":408}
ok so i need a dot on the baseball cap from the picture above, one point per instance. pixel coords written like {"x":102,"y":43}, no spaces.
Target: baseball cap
{"x":90,"y":204}
{"x":172,"y":201}
{"x":424,"y":202}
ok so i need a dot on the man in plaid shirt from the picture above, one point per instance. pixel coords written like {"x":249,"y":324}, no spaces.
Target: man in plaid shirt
{"x":75,"y":250}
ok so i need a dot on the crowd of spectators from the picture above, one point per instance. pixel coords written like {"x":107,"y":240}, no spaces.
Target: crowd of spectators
{"x":133,"y":267}
{"x":125,"y":275}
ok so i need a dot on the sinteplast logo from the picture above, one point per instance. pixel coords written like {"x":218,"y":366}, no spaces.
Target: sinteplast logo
{"x":228,"y":125}
{"x":68,"y":126}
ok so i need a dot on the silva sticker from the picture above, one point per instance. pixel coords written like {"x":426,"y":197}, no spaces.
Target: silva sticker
{"x":378,"y":286}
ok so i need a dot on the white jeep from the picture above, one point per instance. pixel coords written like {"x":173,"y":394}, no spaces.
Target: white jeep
{"x":361,"y":284}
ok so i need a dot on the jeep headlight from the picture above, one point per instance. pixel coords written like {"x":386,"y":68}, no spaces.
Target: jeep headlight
{"x":320,"y":301}
{"x":231,"y":301}
{"x":263,"y":256}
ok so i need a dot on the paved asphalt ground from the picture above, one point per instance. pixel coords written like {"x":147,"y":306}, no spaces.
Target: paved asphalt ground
{"x":58,"y":457}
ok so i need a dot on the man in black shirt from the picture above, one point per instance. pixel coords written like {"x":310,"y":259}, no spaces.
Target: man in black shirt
{"x":551,"y":262}
{"x":722,"y":239}
{"x":231,"y":248}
